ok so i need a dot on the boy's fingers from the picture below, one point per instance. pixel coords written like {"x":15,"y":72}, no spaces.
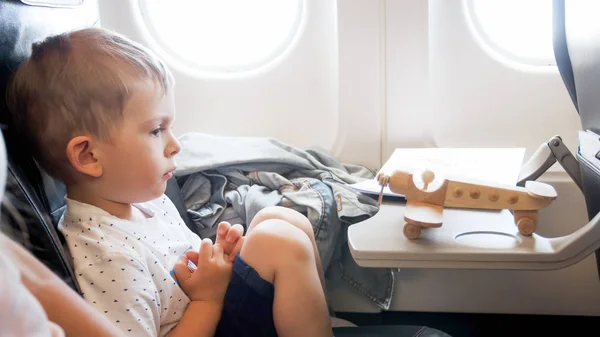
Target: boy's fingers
{"x":218,"y":251}
{"x":206,"y":251}
{"x":182,"y":272}
{"x":235,"y":232}
{"x":192,"y":256}
{"x":223,"y":228}
{"x":236,"y":249}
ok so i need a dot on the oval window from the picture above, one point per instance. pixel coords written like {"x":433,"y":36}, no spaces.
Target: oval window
{"x":515,"y":29}
{"x":223,"y":35}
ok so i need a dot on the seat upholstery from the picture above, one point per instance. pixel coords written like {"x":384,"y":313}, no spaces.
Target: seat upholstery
{"x":577,"y":52}
{"x":20,"y":25}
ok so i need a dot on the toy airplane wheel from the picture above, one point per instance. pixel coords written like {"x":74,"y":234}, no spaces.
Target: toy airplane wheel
{"x":411,"y":231}
{"x":526,"y":226}
{"x":420,"y":215}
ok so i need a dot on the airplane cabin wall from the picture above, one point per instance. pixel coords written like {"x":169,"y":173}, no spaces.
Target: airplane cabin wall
{"x":445,"y":90}
{"x":311,"y":96}
{"x":367,"y":76}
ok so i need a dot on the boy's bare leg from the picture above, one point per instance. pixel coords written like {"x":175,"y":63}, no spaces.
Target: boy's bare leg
{"x":283,"y":255}
{"x":296,"y":219}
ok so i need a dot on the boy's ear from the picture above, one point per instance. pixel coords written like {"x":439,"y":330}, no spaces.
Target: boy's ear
{"x":81,"y":154}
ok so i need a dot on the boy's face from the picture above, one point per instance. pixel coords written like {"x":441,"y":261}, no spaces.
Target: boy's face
{"x":140,"y":159}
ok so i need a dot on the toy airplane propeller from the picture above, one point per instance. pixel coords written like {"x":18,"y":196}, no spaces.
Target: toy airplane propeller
{"x":427,"y":195}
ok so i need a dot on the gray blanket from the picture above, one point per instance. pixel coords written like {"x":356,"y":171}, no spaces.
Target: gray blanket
{"x":232,"y":178}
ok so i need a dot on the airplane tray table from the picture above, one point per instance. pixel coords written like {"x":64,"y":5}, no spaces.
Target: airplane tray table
{"x":471,"y":239}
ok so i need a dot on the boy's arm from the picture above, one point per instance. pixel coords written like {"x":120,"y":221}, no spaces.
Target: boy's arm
{"x":200,"y":319}
{"x":62,"y":305}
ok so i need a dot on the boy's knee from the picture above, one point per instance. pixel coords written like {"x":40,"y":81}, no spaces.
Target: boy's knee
{"x":291,"y":216}
{"x":275,"y":244}
{"x":280,"y":237}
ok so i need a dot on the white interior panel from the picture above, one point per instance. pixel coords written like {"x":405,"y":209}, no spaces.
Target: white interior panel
{"x":367,"y":76}
{"x":478,"y":101}
{"x":361,"y":81}
{"x":295,"y":100}
{"x":445,"y":90}
{"x":408,"y":119}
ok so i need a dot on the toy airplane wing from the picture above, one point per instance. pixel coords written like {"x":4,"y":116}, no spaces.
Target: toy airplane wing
{"x":540,"y":190}
{"x":423,"y":213}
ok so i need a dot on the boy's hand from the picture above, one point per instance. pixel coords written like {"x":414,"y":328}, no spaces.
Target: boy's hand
{"x":209,"y":281}
{"x":231,"y":238}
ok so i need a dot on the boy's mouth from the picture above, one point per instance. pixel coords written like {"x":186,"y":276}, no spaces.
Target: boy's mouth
{"x":169,"y":174}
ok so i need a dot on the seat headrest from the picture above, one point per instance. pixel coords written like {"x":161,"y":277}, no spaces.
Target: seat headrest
{"x":20,"y":26}
{"x":577,"y":51}
{"x":37,"y":198}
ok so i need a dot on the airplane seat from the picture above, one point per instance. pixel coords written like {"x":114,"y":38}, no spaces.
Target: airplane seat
{"x":576,"y":40}
{"x":35,"y":195}
{"x":35,"y":200}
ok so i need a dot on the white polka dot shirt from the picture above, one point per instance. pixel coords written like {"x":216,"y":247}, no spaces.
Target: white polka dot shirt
{"x":125,"y":268}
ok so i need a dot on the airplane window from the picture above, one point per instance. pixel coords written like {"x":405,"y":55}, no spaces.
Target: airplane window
{"x":517,"y":30}
{"x":224,"y":35}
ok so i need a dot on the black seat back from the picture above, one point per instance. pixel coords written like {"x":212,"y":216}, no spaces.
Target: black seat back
{"x":37,"y":198}
{"x":577,"y":51}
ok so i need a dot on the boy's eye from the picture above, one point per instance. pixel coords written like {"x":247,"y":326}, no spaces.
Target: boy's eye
{"x":155,"y":132}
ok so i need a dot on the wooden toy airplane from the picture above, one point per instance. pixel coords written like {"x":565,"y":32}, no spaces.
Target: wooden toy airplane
{"x":427,"y":196}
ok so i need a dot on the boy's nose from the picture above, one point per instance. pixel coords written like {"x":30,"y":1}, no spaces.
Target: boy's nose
{"x":176,"y":147}
{"x":173,"y":147}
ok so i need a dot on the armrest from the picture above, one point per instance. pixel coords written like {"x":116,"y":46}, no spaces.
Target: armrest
{"x":545,"y":156}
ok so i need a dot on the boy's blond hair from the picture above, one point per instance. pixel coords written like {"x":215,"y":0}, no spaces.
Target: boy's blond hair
{"x":74,"y":84}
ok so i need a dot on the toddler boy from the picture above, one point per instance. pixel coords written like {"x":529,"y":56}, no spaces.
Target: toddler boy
{"x":98,"y":110}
